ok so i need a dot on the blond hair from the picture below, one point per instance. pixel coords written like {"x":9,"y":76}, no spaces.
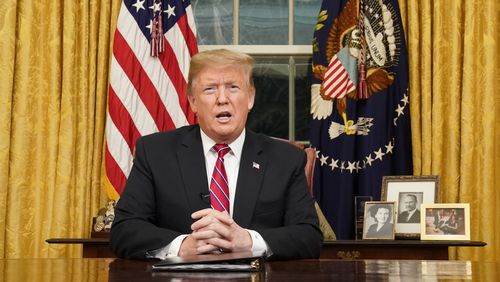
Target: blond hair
{"x":219,"y":58}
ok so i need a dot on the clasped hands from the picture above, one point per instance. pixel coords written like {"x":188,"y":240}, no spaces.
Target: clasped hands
{"x":215,"y":232}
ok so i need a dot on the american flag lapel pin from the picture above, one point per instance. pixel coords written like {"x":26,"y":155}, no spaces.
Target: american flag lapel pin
{"x":256,"y":165}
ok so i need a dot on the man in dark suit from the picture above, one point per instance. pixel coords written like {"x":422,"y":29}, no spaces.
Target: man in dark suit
{"x":165,"y":208}
{"x":411,"y":213}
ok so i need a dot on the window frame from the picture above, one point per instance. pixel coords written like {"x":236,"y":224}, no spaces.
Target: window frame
{"x":289,"y":51}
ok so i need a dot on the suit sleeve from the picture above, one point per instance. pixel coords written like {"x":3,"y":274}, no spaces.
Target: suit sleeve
{"x":300,"y":235}
{"x":133,"y":232}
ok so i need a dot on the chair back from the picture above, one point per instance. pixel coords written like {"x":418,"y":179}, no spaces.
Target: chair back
{"x":326,"y":228}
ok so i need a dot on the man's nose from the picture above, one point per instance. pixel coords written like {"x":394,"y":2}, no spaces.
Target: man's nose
{"x":222,"y":95}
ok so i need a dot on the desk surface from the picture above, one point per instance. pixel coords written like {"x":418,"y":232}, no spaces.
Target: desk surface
{"x":112,"y":270}
{"x":105,"y":241}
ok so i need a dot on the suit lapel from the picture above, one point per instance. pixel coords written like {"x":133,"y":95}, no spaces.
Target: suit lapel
{"x":252,"y":167}
{"x":192,"y":165}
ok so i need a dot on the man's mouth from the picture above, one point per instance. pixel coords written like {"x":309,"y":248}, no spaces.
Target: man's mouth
{"x":223,"y":116}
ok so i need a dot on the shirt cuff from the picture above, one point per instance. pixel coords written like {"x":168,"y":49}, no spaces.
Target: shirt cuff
{"x":169,"y":250}
{"x":258,"y":243}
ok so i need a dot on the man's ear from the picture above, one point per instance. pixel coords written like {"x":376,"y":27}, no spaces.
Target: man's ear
{"x":192,"y":103}
{"x":251,"y":97}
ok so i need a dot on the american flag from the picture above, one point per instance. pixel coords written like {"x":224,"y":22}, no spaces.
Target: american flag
{"x":153,"y":44}
{"x":337,"y":82}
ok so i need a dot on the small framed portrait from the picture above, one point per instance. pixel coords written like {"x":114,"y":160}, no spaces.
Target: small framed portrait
{"x":409,"y":192}
{"x":445,"y":222}
{"x":379,"y":220}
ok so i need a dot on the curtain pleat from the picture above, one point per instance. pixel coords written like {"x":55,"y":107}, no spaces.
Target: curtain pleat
{"x":8,"y":19}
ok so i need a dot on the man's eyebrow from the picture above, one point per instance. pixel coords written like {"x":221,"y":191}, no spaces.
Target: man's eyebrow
{"x":208,"y":83}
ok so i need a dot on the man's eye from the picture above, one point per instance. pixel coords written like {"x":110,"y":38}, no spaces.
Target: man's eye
{"x":209,"y":90}
{"x":234,"y":87}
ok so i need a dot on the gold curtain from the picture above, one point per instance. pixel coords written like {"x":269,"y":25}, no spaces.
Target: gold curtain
{"x":54,"y":70}
{"x":454,"y":52}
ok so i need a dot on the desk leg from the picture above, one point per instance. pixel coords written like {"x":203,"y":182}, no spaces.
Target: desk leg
{"x":97,"y":251}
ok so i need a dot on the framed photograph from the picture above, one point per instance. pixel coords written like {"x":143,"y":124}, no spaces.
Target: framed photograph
{"x":409,"y":192}
{"x":379,"y":220}
{"x":359,"y":214}
{"x":445,"y":222}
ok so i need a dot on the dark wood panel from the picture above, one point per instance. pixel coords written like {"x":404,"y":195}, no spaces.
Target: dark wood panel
{"x":392,"y":249}
{"x":384,"y":252}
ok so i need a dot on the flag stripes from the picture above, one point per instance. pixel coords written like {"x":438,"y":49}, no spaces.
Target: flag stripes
{"x":143,"y":85}
{"x":130,"y":100}
{"x":337,"y":83}
{"x":125,"y":119}
{"x":146,"y":94}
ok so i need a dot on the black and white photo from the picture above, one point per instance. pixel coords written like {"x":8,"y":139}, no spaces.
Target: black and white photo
{"x":379,"y":220}
{"x":409,"y":207}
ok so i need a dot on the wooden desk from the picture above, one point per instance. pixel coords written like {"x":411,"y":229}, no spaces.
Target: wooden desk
{"x":340,"y":249}
{"x":113,"y":270}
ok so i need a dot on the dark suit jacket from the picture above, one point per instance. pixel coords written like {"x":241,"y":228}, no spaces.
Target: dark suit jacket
{"x":415,"y":218}
{"x":168,"y":180}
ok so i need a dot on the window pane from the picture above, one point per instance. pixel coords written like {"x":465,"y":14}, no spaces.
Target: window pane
{"x":306,"y":12}
{"x":263,"y":22}
{"x":303,"y":75}
{"x":270,"y":112}
{"x":214,"y":21}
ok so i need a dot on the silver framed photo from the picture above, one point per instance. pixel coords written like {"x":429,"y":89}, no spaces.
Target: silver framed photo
{"x":409,"y":192}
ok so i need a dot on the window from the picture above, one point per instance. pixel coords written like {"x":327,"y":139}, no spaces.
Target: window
{"x":278,"y":34}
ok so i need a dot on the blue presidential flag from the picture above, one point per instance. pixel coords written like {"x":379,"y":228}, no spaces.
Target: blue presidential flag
{"x":360,"y":124}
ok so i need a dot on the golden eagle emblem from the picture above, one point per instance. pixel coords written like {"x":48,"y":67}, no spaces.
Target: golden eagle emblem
{"x":361,"y":47}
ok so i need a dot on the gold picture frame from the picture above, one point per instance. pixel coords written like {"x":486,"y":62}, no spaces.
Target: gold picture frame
{"x":409,"y":192}
{"x":378,"y":222}
{"x":445,"y":222}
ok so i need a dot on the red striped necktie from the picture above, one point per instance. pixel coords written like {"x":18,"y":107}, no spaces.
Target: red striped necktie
{"x":219,"y":188}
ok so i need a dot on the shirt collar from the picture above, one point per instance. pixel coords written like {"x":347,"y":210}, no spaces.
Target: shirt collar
{"x":236,"y":146}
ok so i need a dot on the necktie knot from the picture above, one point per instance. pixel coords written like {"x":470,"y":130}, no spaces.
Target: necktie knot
{"x":221,"y":149}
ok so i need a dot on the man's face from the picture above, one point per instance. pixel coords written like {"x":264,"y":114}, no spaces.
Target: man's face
{"x":409,"y":203}
{"x":221,"y":99}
